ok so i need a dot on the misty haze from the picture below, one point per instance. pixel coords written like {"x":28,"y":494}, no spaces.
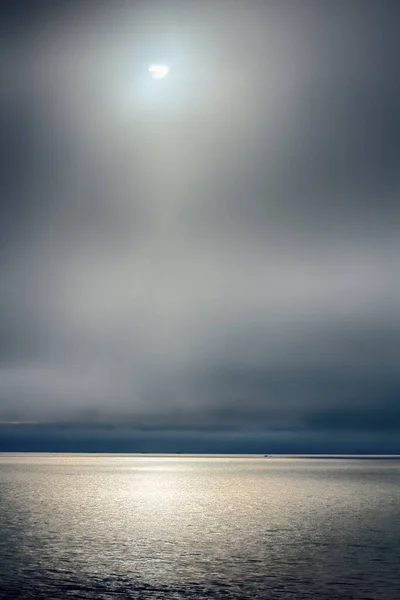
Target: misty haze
{"x":199,"y":256}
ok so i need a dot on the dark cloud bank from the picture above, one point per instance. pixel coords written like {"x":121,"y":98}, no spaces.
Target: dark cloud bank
{"x":209,"y":263}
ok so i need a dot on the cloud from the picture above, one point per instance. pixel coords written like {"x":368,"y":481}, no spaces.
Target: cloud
{"x":219,"y":252}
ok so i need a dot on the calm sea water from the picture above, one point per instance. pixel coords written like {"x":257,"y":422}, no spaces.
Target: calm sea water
{"x":97,"y":526}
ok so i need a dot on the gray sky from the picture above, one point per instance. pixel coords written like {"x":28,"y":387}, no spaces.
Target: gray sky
{"x":214,"y":254}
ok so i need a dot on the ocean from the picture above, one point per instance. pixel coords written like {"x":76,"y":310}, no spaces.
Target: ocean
{"x":198,"y":527}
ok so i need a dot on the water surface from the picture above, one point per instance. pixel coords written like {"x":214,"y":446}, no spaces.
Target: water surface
{"x":176,"y":527}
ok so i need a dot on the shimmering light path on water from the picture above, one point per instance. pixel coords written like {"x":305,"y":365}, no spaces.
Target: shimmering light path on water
{"x":97,"y":526}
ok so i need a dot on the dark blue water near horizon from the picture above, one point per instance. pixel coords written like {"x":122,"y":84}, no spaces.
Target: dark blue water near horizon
{"x":197,"y":527}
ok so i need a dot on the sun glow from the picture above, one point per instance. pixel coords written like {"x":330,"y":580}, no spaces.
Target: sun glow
{"x":158,"y":71}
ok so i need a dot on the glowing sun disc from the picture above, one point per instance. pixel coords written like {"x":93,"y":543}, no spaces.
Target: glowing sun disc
{"x":158,"y":71}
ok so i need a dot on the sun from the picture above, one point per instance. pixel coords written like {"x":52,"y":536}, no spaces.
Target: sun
{"x":158,"y":71}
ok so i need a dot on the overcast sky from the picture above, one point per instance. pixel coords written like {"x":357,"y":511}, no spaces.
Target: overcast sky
{"x":208,"y":262}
